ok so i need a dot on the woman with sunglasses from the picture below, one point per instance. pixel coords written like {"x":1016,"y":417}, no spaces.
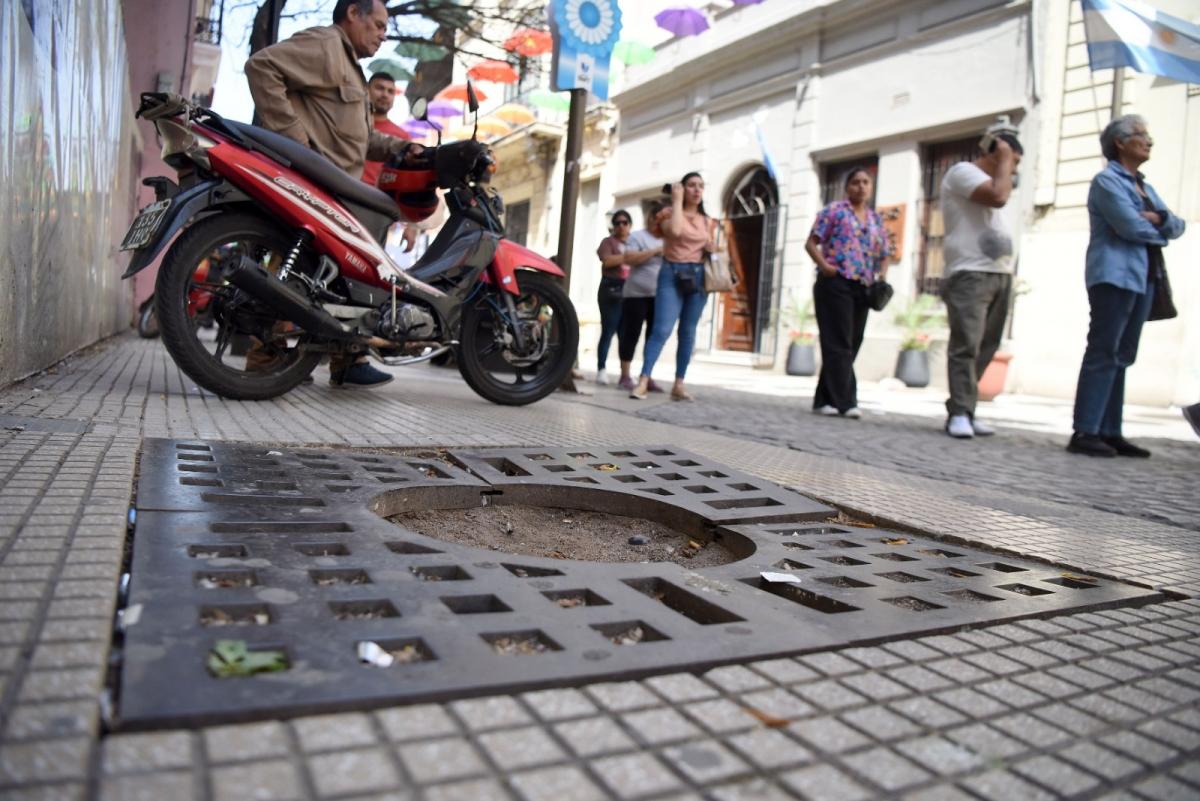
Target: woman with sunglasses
{"x":614,"y":269}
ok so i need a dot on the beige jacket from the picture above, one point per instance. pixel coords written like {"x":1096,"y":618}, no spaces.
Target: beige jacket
{"x":311,"y":89}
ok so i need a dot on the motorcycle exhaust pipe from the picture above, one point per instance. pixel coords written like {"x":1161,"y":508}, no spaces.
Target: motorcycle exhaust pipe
{"x":289,"y":304}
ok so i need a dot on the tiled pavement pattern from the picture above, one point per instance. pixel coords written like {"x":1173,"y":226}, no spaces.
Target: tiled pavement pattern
{"x":1098,"y":705}
{"x":1027,"y":464}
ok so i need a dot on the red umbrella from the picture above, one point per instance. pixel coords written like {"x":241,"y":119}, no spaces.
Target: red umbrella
{"x":458,"y":91}
{"x":494,"y":71}
{"x":529,"y":42}
{"x":684,"y":21}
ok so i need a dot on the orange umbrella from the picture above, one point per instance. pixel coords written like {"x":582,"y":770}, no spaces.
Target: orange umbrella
{"x":495,"y":127}
{"x":494,"y":71}
{"x":458,"y":91}
{"x":529,"y":42}
{"x":517,"y":115}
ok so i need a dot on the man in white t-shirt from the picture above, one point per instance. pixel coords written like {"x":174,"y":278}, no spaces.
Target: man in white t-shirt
{"x":977,"y":282}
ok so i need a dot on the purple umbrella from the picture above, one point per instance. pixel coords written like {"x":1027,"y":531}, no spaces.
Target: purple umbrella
{"x":419,"y":128}
{"x":684,"y":21}
{"x":746,"y":2}
{"x":443,"y":108}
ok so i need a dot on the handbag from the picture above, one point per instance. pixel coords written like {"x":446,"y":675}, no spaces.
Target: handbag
{"x":878,"y":294}
{"x":612,"y":290}
{"x":687,"y":280}
{"x":1162,"y":307}
{"x":717,"y":276}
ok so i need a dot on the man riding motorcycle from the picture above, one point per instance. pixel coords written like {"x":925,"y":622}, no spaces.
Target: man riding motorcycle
{"x":310,"y":88}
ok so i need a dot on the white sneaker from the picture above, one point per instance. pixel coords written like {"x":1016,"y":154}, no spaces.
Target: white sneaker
{"x":959,"y":426}
{"x":853,"y":413}
{"x":982,"y":429}
{"x":602,"y":377}
{"x":826,"y":410}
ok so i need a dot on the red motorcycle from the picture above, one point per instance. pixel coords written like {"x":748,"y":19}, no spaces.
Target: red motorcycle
{"x":304,"y":273}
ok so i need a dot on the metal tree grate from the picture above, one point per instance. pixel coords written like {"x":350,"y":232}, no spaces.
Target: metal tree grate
{"x":286,"y":551}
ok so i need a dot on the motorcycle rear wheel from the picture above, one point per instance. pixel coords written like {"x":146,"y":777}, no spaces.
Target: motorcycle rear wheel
{"x":488,"y":358}
{"x":178,"y":294}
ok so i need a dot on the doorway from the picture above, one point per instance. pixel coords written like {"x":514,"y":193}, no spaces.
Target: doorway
{"x":751,"y":229}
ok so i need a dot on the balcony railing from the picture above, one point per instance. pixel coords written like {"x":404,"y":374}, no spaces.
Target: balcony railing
{"x":207,"y":30}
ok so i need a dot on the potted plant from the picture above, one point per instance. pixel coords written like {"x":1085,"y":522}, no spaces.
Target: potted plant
{"x":991,"y":383}
{"x":912,"y":365}
{"x":801,"y":358}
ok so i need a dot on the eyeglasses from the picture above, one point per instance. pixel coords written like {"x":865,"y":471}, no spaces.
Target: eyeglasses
{"x":622,"y":222}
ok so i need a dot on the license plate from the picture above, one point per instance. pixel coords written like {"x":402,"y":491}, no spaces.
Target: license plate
{"x":145,"y":226}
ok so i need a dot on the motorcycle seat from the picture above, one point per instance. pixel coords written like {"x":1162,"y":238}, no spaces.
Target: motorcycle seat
{"x":321,"y":171}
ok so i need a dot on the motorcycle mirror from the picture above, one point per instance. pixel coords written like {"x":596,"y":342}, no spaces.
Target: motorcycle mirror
{"x":472,"y":100}
{"x":420,"y":109}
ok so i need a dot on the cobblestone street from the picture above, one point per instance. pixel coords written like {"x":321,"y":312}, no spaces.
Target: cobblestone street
{"x":1099,"y":704}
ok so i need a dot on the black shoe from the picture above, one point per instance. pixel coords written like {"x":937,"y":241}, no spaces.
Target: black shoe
{"x":1124,"y":447}
{"x":1090,"y":445}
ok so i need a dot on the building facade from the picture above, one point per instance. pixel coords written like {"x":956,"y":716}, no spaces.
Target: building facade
{"x":776,"y":101}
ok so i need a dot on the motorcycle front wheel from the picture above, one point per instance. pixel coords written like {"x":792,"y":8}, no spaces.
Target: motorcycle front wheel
{"x":514,"y":370}
{"x":190,"y":292}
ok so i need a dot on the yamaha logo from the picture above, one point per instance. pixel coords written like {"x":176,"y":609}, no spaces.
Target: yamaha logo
{"x":318,"y":203}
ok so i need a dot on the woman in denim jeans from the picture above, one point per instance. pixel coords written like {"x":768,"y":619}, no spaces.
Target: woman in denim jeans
{"x":1129,"y":228}
{"x":688,"y":232}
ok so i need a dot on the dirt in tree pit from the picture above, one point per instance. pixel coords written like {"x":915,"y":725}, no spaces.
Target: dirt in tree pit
{"x":564,"y":534}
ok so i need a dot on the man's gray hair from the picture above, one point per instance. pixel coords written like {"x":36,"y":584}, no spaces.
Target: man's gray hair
{"x":342,"y":8}
{"x":1118,"y":130}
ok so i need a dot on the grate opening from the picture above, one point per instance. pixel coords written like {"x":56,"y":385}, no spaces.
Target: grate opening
{"x":713,"y":474}
{"x":1025,"y":589}
{"x":440,"y":573}
{"x":235,"y":615}
{"x":655,"y":490}
{"x":391,"y":480}
{"x":744,"y":487}
{"x":797,"y":546}
{"x":529,"y":571}
{"x":505,"y":466}
{"x":894,"y":557}
{"x":845,"y":561}
{"x":630,"y":479}
{"x":292,"y":486}
{"x":363,"y":610}
{"x":366,"y":459}
{"x":429,"y":470}
{"x":971,"y":596}
{"x":403,"y":546}
{"x":184,"y":446}
{"x":912,"y":604}
{"x":322,"y":549}
{"x":226,"y":579}
{"x":559,"y":468}
{"x":671,"y":477}
{"x":1072,"y":583}
{"x":653,"y":452}
{"x":266,"y":500}
{"x":693,"y":607}
{"x":521,"y":643}
{"x":844,"y":582}
{"x":228,"y":551}
{"x":843,"y":544}
{"x":630,"y":632}
{"x":647,"y":465}
{"x":743,"y":503}
{"x":903,"y":578}
{"x":1001,"y":567}
{"x":196,"y":468}
{"x":194,"y":457}
{"x":570,"y":599}
{"x":280,"y":527}
{"x":331,"y":578}
{"x":232,"y":659}
{"x":685,"y":462}
{"x":324,"y":476}
{"x":790,"y":564}
{"x":539,"y":457}
{"x":475,"y":604}
{"x":801,"y":596}
{"x":582,"y":479}
{"x":188,"y":481}
{"x":940,"y":552}
{"x":391,"y":471}
{"x":954,"y":572}
{"x":402,"y":651}
{"x":700,"y":489}
{"x":582,"y":455}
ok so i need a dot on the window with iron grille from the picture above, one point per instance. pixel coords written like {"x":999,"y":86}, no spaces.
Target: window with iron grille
{"x":516,"y":222}
{"x":936,"y":159}
{"x":834,"y":175}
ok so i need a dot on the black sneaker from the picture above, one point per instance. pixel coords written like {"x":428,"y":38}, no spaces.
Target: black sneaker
{"x":1090,"y":445}
{"x":1124,"y":447}
{"x":1192,"y":415}
{"x":361,"y":376}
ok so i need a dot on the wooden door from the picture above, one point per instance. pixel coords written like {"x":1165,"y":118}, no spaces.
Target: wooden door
{"x":743,"y":239}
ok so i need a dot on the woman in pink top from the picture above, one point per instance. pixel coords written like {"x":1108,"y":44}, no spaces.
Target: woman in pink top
{"x":615,"y":267}
{"x":687,"y":233}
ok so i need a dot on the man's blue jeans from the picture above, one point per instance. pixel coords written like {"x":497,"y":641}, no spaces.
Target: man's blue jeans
{"x":671,"y":305}
{"x":1112,"y":343}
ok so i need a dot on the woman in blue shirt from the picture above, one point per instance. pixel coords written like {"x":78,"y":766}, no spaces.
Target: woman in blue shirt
{"x":1130,"y":226}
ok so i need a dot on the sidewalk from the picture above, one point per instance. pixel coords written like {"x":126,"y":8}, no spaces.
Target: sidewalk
{"x":1101,"y":704}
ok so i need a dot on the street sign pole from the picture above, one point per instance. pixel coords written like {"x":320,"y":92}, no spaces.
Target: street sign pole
{"x":570,"y":196}
{"x":1118,"y":92}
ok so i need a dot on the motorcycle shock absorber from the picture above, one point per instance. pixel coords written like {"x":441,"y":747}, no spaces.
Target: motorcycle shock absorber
{"x":293,"y":256}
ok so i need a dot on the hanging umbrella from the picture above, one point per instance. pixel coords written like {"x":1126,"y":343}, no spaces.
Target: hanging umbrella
{"x":682,"y":21}
{"x":442,"y":108}
{"x":421,"y":51}
{"x":746,"y":2}
{"x":633,"y":53}
{"x":494,"y":71}
{"x":551,"y":101}
{"x":458,"y":91}
{"x":420,"y":128}
{"x":515,"y":114}
{"x":529,"y":42}
{"x":394,"y":68}
{"x":495,"y":127}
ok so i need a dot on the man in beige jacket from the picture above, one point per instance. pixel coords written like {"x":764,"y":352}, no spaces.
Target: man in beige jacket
{"x":310,"y":88}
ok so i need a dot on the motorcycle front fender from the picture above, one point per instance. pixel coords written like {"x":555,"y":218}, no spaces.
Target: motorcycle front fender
{"x":185,"y":205}
{"x":510,"y":257}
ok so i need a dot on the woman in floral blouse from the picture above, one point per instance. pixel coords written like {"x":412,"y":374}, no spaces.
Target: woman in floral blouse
{"x":850,"y":246}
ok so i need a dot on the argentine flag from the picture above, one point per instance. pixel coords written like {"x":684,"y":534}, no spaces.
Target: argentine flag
{"x":1128,"y":33}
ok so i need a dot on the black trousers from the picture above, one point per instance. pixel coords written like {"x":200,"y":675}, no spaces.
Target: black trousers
{"x":841,"y":309}
{"x":636,"y":314}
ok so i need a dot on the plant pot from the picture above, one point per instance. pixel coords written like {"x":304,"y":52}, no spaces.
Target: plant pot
{"x":991,"y":383}
{"x":912,"y":367}
{"x":801,"y":360}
